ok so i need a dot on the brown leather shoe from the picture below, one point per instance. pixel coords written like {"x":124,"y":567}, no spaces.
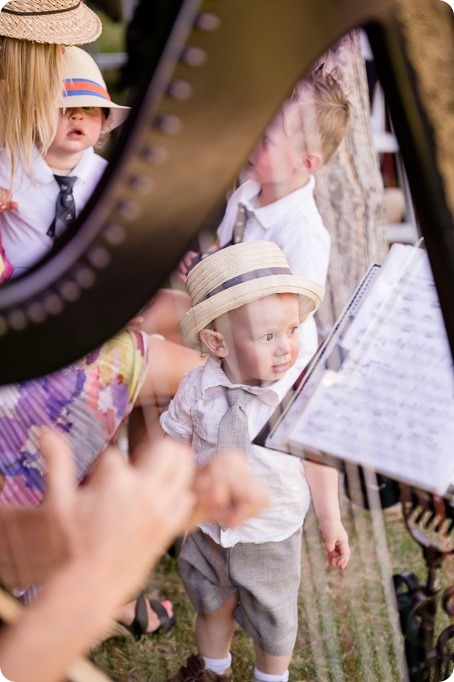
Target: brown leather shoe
{"x":195,"y":671}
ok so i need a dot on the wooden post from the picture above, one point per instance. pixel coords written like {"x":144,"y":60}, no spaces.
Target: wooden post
{"x":349,"y":189}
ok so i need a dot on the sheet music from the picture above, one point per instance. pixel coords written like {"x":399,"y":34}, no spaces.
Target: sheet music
{"x":399,"y":261}
{"x":390,"y":405}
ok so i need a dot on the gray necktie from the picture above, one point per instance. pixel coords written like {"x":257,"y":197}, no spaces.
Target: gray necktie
{"x":65,"y":208}
{"x":240,"y":223}
{"x":234,"y":428}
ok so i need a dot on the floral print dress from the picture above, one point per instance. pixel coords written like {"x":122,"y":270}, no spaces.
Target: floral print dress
{"x":89,"y":402}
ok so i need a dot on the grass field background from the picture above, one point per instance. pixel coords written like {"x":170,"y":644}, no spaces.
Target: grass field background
{"x":348,"y":624}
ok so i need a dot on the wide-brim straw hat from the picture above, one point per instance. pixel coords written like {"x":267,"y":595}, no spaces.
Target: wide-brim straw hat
{"x":84,"y":86}
{"x":240,"y":274}
{"x":57,"y":22}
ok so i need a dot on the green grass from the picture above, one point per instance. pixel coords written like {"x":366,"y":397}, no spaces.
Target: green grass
{"x":348,"y":626}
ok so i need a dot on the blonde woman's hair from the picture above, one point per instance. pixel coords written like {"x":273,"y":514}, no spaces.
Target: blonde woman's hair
{"x":318,"y":113}
{"x":29,"y":90}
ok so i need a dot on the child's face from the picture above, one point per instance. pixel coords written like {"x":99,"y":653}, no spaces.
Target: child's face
{"x":275,"y":158}
{"x":78,"y":128}
{"x":261,"y":338}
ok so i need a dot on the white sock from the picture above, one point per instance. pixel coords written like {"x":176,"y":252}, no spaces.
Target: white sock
{"x":218,"y":665}
{"x":264,"y":677}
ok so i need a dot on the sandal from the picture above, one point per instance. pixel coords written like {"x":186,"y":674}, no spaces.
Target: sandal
{"x":139,"y":625}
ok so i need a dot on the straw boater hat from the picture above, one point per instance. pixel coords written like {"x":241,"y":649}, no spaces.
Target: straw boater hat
{"x":239,"y":274}
{"x":58,"y":22}
{"x":84,"y":86}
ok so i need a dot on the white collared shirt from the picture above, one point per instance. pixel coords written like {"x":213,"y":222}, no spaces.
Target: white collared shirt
{"x":293,"y":223}
{"x":193,"y":417}
{"x":24,"y":230}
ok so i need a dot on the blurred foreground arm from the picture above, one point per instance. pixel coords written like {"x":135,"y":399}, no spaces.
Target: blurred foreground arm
{"x":227,"y":491}
{"x":113,"y":530}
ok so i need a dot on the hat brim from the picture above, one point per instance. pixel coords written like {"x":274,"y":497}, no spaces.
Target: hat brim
{"x":310,"y":295}
{"x":117,"y":112}
{"x":75,"y":27}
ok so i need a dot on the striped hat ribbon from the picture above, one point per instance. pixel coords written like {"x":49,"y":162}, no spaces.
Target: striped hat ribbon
{"x":83,"y":86}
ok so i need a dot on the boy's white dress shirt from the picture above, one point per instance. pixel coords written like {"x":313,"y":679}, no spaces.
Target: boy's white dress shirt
{"x":193,"y":417}
{"x":293,"y":223}
{"x":24,"y":230}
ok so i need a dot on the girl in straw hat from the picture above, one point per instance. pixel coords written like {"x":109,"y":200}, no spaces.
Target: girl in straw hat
{"x":87,"y":115}
{"x":32,"y":33}
{"x":246,"y":309}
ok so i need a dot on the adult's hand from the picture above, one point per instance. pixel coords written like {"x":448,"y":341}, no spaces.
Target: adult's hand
{"x":146,"y":503}
{"x":32,"y":545}
{"x":126,"y":515}
{"x":227,"y":490}
{"x":113,"y":529}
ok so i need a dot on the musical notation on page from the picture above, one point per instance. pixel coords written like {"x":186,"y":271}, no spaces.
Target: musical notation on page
{"x":388,"y":404}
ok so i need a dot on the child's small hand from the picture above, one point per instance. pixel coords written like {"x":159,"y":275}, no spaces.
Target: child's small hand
{"x":5,"y":201}
{"x":185,"y":265}
{"x":136,"y":322}
{"x":335,"y":539}
{"x":8,"y":206}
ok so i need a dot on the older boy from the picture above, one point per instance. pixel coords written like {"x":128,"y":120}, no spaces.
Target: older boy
{"x":277,"y":203}
{"x":246,"y":309}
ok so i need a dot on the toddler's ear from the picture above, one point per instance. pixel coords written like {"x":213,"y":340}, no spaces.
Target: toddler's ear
{"x":311,"y":162}
{"x":215,"y":343}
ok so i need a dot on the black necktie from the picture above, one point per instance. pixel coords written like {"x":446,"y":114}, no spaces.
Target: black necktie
{"x":65,"y":208}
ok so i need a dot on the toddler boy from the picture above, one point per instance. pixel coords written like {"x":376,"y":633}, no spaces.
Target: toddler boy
{"x":246,"y":309}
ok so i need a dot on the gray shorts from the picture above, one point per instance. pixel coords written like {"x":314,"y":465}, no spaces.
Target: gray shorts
{"x":265,"y":577}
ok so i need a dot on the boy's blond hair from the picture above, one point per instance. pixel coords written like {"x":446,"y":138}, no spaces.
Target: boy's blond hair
{"x":29,"y":89}
{"x":318,"y":113}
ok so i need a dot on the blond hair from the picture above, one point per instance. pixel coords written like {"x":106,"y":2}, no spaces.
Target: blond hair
{"x":29,"y":89}
{"x":318,"y":113}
